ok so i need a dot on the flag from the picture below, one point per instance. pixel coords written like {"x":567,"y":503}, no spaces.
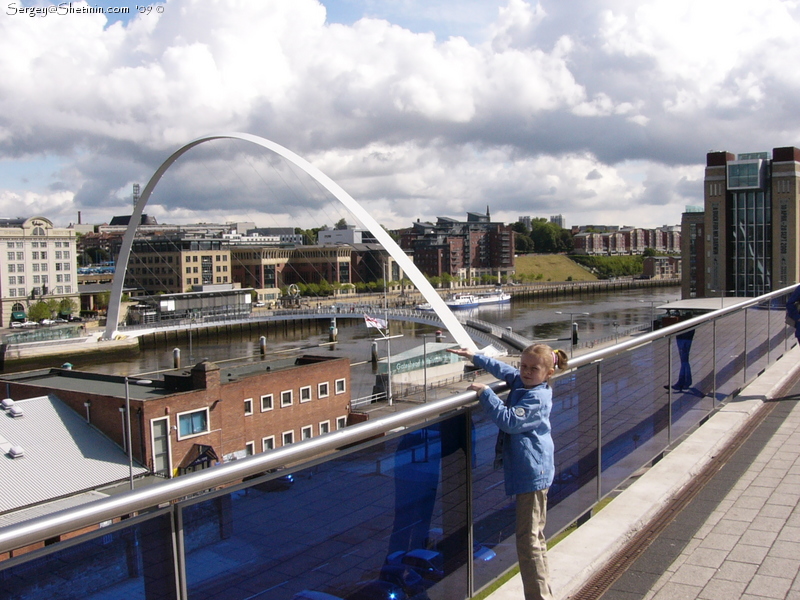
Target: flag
{"x":375,"y":322}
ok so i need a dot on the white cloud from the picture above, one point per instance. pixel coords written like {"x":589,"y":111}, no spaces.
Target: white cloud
{"x":412,"y":121}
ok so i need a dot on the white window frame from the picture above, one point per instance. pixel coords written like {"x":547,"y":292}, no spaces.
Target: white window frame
{"x":248,"y":407}
{"x":271,"y":402}
{"x":291,"y":398}
{"x":324,"y":427}
{"x":265,"y":441}
{"x":306,"y":432}
{"x":249,"y":448}
{"x":323,"y":389}
{"x":340,"y":383}
{"x":283,"y":437}
{"x":189,"y":412}
{"x":306,"y":389}
{"x":341,"y":422}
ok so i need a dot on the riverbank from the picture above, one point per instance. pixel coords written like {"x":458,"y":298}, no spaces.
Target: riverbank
{"x":129,"y":344}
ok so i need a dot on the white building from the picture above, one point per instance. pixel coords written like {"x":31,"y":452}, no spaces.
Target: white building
{"x":37,"y":261}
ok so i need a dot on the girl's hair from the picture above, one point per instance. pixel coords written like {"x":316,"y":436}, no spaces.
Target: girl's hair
{"x":558,"y":357}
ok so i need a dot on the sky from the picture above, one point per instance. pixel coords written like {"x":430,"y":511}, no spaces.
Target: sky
{"x":599,"y":110}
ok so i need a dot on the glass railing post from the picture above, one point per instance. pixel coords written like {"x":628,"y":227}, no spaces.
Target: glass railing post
{"x":669,"y":391}
{"x":714,"y":363}
{"x":469,"y":502}
{"x":744,"y":368}
{"x":180,"y":553}
{"x":599,"y":402}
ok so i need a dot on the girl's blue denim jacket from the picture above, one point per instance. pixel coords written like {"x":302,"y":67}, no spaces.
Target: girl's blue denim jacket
{"x":524,"y":421}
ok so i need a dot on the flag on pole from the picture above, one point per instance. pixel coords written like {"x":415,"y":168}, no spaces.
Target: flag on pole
{"x":375,"y":322}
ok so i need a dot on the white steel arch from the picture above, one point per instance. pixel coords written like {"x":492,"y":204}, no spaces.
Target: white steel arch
{"x":444,"y":313}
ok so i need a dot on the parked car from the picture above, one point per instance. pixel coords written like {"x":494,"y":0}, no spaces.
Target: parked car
{"x":428,"y":563}
{"x":46,"y":322}
{"x":259,"y":304}
{"x":29,"y":324}
{"x":407,"y":578}
{"x":75,"y":319}
{"x":279,"y":484}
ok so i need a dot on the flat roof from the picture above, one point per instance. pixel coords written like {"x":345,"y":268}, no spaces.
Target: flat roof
{"x":702,"y":304}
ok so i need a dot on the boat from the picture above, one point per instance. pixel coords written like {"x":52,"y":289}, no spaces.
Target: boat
{"x":462,"y":301}
{"x":466,"y":301}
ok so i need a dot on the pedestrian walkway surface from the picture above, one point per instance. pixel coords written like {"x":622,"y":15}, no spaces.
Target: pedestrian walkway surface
{"x":737,"y":536}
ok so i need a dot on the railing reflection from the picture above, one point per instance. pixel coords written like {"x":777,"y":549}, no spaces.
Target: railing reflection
{"x":408,"y":504}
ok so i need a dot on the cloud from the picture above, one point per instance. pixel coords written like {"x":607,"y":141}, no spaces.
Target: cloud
{"x":598,"y":110}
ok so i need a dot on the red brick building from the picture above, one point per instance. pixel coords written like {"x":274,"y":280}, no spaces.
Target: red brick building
{"x":192,"y":419}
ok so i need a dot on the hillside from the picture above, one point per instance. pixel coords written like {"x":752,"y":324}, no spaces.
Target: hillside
{"x":551,"y":267}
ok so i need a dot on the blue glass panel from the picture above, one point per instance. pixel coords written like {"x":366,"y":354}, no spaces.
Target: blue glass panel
{"x":692,"y":378}
{"x":401,"y":501}
{"x":758,"y":318}
{"x":635,"y":411}
{"x":493,"y":511}
{"x":132,"y":562}
{"x":730,"y":355}
{"x":574,"y":422}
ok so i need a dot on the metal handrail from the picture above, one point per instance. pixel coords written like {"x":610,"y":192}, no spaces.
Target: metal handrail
{"x":58,"y":523}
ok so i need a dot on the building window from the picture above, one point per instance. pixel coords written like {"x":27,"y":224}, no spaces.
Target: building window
{"x":324,"y":427}
{"x":248,"y":406}
{"x":286,"y":398}
{"x":341,"y":422}
{"x":266,"y":402}
{"x":267,"y":443}
{"x":341,"y":386}
{"x":322,"y":390}
{"x":306,"y":432}
{"x":287,"y":437}
{"x":250,"y":448}
{"x":305,"y":394}
{"x":192,"y":423}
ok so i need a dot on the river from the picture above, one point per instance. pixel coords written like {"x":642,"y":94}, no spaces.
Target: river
{"x":535,"y":319}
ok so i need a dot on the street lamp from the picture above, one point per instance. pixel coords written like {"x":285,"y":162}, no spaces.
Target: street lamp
{"x":573,"y":326}
{"x":128,"y":439}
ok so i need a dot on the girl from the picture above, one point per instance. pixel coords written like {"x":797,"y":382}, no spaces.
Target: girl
{"x":526,"y":448}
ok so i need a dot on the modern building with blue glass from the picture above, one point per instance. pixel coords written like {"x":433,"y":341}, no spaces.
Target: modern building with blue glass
{"x":750,"y":224}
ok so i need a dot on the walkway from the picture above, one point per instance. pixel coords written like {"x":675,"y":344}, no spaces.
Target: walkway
{"x":715,"y":519}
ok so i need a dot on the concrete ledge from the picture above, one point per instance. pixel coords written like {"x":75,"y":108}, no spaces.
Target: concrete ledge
{"x":584,"y":552}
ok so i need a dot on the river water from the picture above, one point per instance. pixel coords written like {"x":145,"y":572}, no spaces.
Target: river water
{"x":535,"y":319}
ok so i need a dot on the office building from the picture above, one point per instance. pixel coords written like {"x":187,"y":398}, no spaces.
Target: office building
{"x":38,"y":263}
{"x":750,"y":224}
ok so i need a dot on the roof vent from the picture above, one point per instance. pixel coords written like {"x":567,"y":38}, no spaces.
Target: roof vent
{"x":16,"y":411}
{"x":6,"y":403}
{"x":16,"y":451}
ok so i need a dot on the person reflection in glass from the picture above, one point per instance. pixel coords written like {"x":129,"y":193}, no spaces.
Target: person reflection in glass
{"x":684,"y":342}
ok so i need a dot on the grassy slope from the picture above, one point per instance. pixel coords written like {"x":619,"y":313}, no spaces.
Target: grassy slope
{"x":553,"y":267}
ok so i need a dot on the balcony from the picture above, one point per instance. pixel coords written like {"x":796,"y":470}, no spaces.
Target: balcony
{"x":415,"y":490}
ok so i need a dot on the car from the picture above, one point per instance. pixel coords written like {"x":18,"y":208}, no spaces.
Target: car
{"x":407,"y":578}
{"x":259,"y":304}
{"x":72,"y":319}
{"x":46,"y":322}
{"x":483,"y":553}
{"x":30,"y":324}
{"x":279,"y":484}
{"x":60,"y":320}
{"x":428,"y":563}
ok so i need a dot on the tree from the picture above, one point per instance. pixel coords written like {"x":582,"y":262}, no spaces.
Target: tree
{"x":39,"y":311}
{"x":52,"y":306}
{"x":649,"y":252}
{"x":67,"y":306}
{"x":101,"y":300}
{"x":341,"y":224}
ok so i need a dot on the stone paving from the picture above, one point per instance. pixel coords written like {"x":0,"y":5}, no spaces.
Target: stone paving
{"x":749,"y":547}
